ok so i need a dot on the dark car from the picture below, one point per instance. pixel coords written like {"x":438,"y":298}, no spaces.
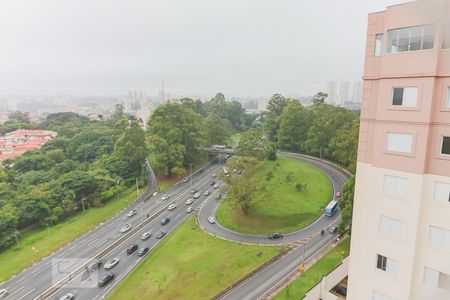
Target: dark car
{"x":164,"y":221}
{"x":275,"y":236}
{"x":193,"y":191}
{"x":340,"y":290}
{"x":160,"y":234}
{"x":132,"y":248}
{"x":106,"y":279}
{"x":142,"y":251}
{"x":212,"y":183}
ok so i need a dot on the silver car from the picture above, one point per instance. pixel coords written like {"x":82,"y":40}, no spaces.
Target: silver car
{"x":207,"y":193}
{"x":146,"y":236}
{"x":171,"y":207}
{"x":3,"y":293}
{"x":189,"y":201}
{"x":111,"y":263}
{"x":125,"y":228}
{"x":211,"y":220}
{"x":165,"y":197}
{"x":68,"y":296}
{"x":189,"y":209}
{"x":131,"y":213}
{"x":197,"y":195}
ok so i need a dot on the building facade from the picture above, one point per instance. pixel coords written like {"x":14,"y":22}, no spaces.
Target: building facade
{"x":400,"y":247}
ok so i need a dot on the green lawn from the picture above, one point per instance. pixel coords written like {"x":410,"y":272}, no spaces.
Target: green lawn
{"x":190,"y":264}
{"x":278,"y":206}
{"x":298,"y":288}
{"x":45,"y":241}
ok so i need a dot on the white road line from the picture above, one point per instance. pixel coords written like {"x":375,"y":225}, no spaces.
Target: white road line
{"x":19,"y":289}
{"x":26,"y":294}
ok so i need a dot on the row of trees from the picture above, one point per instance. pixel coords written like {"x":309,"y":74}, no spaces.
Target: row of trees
{"x":87,"y":164}
{"x":179,"y":131}
{"x":321,"y":130}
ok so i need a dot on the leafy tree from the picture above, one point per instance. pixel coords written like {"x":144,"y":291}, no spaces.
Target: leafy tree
{"x":346,"y":205}
{"x":253,"y":143}
{"x":345,"y":143}
{"x":319,"y":98}
{"x":8,"y":224}
{"x":294,"y":124}
{"x":218,"y":130}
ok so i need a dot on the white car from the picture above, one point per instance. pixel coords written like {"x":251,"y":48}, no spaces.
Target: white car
{"x":185,"y":179}
{"x":69,"y":296}
{"x":131,"y":213}
{"x":211,"y":220}
{"x":111,"y":263}
{"x":165,"y":197}
{"x":171,"y":207}
{"x":189,"y":209}
{"x":216,"y":186}
{"x":155,"y":194}
{"x":214,"y":175}
{"x":189,"y":201}
{"x":3,"y":293}
{"x":146,"y":235}
{"x":197,"y":195}
{"x":207,"y":193}
{"x":125,"y":228}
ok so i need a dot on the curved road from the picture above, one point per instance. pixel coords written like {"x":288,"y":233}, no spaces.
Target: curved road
{"x":306,"y":242}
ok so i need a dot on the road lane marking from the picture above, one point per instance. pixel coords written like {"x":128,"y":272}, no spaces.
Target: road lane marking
{"x":19,"y":289}
{"x":26,"y":294}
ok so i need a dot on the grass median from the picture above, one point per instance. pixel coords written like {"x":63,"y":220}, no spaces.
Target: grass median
{"x":278,"y":205}
{"x":300,"y":286}
{"x":38,"y":243}
{"x":190,"y":264}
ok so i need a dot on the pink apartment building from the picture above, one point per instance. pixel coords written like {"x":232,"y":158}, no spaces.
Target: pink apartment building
{"x":400,"y":248}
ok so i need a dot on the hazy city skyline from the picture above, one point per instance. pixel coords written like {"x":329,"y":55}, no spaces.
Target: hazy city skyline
{"x":251,"y":48}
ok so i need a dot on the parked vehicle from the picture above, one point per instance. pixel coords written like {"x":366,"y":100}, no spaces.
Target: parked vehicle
{"x":111,"y":263}
{"x":275,"y":236}
{"x":212,"y":183}
{"x":94,"y":266}
{"x":193,"y":191}
{"x":107,"y":278}
{"x":165,"y":197}
{"x":164,"y":221}
{"x":131,"y":249}
{"x":143,"y":251}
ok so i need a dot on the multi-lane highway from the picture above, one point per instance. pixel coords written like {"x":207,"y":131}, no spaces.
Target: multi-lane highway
{"x":106,"y":241}
{"x":38,"y":282}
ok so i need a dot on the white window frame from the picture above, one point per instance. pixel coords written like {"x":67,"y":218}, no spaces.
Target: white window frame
{"x":444,"y":189}
{"x":447,"y":99}
{"x":439,"y":237}
{"x":407,"y":90}
{"x":379,"y":44}
{"x":442,"y":145}
{"x":397,"y":140}
{"x":430,"y":277}
{"x":387,"y":226}
{"x":396,"y":189}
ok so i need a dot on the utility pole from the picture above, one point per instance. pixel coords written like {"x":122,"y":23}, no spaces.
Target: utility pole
{"x":17,"y":239}
{"x":137,"y":187}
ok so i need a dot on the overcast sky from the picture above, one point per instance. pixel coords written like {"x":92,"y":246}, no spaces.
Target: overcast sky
{"x":239,"y":47}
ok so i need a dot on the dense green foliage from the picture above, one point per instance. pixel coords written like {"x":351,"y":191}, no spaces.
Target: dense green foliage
{"x":321,"y":130}
{"x":346,"y":205}
{"x":179,"y":131}
{"x":16,"y":120}
{"x":87,"y":164}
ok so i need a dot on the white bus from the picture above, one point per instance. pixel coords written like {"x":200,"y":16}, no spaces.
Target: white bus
{"x":331,"y":208}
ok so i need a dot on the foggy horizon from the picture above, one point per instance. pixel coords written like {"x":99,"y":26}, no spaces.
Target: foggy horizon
{"x":251,"y":49}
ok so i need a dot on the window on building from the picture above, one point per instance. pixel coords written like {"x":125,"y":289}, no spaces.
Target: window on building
{"x":396,"y":185}
{"x":378,"y":44}
{"x":445,"y":148}
{"x":442,"y":192}
{"x":399,"y":142}
{"x":439,"y":237}
{"x":447,"y":102}
{"x":378,"y":296}
{"x":405,"y":96}
{"x":387,"y":264}
{"x":390,"y":227}
{"x":411,"y":39}
{"x":436,"y":279}
{"x":446,"y":37}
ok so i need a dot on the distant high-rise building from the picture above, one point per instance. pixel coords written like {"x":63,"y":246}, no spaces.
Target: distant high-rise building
{"x":344,"y":93}
{"x":332,"y":93}
{"x":357,"y":91}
